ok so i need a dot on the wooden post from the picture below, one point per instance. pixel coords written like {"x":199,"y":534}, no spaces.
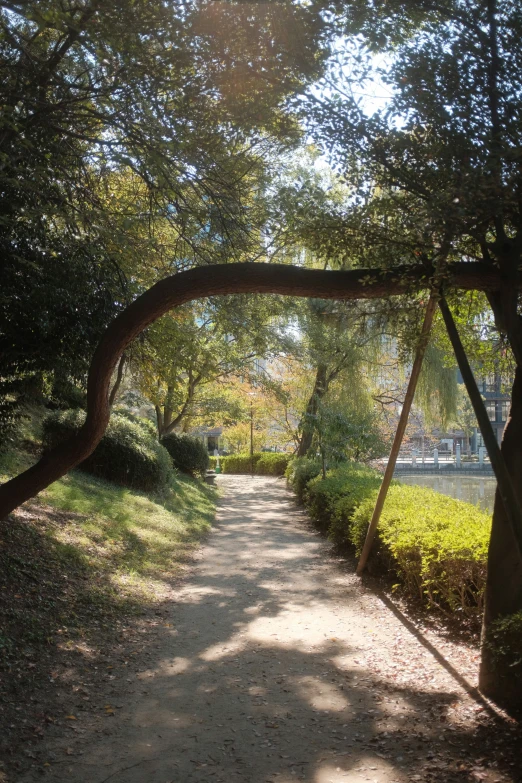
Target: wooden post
{"x":251,"y":438}
{"x":505,"y":484}
{"x":403,"y":420}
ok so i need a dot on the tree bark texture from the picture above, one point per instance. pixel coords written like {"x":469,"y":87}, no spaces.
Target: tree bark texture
{"x":320,"y":389}
{"x":117,"y":383}
{"x":503,"y":682}
{"x":217,"y":280}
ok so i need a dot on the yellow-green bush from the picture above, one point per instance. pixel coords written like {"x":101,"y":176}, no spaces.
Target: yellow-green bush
{"x":437,"y":545}
{"x":239,"y":463}
{"x":272,"y":464}
{"x":332,"y":501}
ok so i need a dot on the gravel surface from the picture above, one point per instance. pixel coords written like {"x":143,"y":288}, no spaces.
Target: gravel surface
{"x":275,"y":664}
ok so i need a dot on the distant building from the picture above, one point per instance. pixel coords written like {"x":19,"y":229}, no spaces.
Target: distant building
{"x":211,"y":437}
{"x":497,"y":405}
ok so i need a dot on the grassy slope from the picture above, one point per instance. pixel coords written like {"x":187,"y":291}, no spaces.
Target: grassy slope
{"x":83,"y":568}
{"x":86,"y":554}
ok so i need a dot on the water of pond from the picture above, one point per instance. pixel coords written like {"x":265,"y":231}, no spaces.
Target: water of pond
{"x":472,"y":489}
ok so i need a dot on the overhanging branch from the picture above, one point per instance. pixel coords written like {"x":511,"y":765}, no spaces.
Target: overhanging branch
{"x":218,"y":280}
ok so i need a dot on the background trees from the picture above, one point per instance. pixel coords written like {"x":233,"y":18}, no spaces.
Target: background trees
{"x":136,"y":126}
{"x":128,"y":129}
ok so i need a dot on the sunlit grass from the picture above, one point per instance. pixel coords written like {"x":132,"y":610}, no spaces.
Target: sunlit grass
{"x":131,"y":543}
{"x":137,"y":541}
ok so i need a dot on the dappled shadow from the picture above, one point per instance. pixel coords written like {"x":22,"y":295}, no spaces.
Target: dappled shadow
{"x":64,"y":607}
{"x":267,"y":675}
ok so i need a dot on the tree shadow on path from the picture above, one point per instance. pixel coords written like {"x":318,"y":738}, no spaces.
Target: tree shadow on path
{"x":280,"y":666}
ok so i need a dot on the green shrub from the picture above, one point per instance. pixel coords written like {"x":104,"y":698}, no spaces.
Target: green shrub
{"x":65,"y":394}
{"x":126,"y":455}
{"x":146,"y":424}
{"x":299,"y":472}
{"x":265,"y":463}
{"x":272,"y":464}
{"x":361,"y":484}
{"x":437,"y":545}
{"x":240,"y":463}
{"x":188,"y":454}
{"x":337,"y":496}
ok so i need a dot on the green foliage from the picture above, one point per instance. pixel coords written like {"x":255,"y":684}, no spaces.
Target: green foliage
{"x":505,"y":640}
{"x":272,"y":464}
{"x":122,"y":145}
{"x":336,"y":496}
{"x":299,"y":472}
{"x":240,"y":463}
{"x":265,"y":463}
{"x":437,"y":545}
{"x":66,"y":394}
{"x":126,"y":455}
{"x":188,"y":454}
{"x":341,"y":433}
{"x":146,"y":424}
{"x":70,"y":294}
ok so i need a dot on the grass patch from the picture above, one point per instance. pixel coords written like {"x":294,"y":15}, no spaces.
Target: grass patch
{"x":86,"y":570}
{"x":136,"y":540}
{"x":87,"y":552}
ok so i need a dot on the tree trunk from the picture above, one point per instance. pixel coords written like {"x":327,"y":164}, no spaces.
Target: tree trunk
{"x":217,"y":280}
{"x":320,"y":389}
{"x":164,"y":417}
{"x":498,"y":679}
{"x":117,"y":383}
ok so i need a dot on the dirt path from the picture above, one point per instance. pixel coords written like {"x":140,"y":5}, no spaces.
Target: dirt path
{"x":276,"y":666}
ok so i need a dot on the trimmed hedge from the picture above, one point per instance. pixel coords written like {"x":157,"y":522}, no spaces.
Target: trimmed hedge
{"x":239,"y":463}
{"x":272,"y":463}
{"x":265,"y":463}
{"x":437,"y":546}
{"x":333,"y":500}
{"x":188,"y":454}
{"x":126,"y":455}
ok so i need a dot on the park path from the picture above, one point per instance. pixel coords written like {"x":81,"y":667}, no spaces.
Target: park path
{"x":276,"y":665}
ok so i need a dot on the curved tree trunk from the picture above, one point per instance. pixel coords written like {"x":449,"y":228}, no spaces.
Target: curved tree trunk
{"x":206,"y":281}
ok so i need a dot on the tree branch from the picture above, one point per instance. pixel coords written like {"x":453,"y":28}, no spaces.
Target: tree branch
{"x":218,"y":280}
